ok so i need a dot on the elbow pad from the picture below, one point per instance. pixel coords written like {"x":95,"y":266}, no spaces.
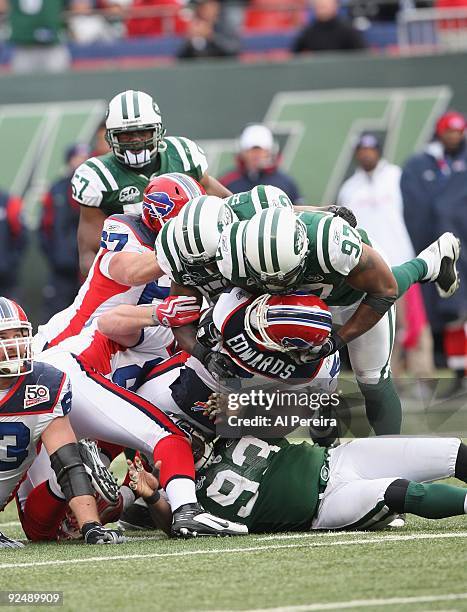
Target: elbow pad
{"x":71,"y":474}
{"x":380,"y":304}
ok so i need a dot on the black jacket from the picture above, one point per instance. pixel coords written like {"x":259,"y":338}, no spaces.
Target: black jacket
{"x":332,"y":35}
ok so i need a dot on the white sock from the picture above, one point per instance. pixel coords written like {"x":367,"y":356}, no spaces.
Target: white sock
{"x":181,"y":491}
{"x":127,"y":495}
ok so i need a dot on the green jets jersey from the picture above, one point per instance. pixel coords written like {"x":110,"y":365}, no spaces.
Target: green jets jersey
{"x":333,"y":252}
{"x":39,"y":22}
{"x":268,"y":485}
{"x":103,"y":182}
{"x":248,"y":203}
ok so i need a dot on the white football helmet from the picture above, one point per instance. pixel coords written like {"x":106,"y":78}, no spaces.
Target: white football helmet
{"x":197,"y":231}
{"x":261,"y":197}
{"x":134,"y":111}
{"x":15,"y":353}
{"x":275,"y":246}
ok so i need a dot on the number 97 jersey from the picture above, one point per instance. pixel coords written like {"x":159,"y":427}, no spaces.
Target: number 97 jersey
{"x":26,"y":409}
{"x":334,"y":251}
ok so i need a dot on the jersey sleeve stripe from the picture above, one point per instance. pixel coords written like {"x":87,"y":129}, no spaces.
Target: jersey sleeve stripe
{"x":262,"y":198}
{"x":319,"y":245}
{"x":181,"y":151}
{"x":196,"y":153}
{"x":326,"y":229}
{"x":106,"y":172}
{"x":102,"y":179}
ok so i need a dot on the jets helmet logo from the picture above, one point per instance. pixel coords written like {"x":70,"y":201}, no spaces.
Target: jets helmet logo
{"x":158,"y":204}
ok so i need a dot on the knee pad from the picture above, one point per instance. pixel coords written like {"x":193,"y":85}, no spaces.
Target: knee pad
{"x":71,"y":474}
{"x":394,"y":496}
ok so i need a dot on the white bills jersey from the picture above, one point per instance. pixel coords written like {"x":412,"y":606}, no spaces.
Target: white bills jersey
{"x":26,"y":409}
{"x":100,"y":292}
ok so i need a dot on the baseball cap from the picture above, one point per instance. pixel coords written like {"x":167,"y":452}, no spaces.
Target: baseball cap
{"x":256,"y":136}
{"x":79,"y":148}
{"x":451,"y":120}
{"x":367,"y":141}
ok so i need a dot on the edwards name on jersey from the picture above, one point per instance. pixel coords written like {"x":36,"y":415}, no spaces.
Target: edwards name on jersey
{"x":103,"y":182}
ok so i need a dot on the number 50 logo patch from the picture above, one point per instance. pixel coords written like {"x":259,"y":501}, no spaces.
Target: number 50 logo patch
{"x":35,"y":394}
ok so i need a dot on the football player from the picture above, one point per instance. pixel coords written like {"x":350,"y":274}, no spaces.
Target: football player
{"x":258,"y":336}
{"x":35,"y":402}
{"x":361,"y":484}
{"x":125,"y":270}
{"x":278,"y":251}
{"x":108,"y":412}
{"x":114,"y":183}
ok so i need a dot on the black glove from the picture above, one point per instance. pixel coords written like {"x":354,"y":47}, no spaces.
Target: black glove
{"x":344,"y":213}
{"x":6,"y":542}
{"x":217,"y":364}
{"x":332,"y":345}
{"x":207,"y":333}
{"x":95,"y":533}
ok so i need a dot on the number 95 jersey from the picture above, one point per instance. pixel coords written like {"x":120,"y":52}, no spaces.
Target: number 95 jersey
{"x":26,"y":409}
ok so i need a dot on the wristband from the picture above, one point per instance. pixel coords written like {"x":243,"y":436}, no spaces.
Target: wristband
{"x":152,"y":499}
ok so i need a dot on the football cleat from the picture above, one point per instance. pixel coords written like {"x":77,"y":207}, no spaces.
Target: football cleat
{"x":136,"y":518}
{"x":6,"y":542}
{"x":397,"y":522}
{"x":191,"y":521}
{"x":109,"y":513}
{"x":441,"y":257}
{"x":102,"y":480}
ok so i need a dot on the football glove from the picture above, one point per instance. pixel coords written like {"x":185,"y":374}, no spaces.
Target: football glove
{"x":95,"y":533}
{"x":176,"y":311}
{"x":344,"y":213}
{"x":217,"y":364}
{"x":332,"y":345}
{"x":6,"y":542}
{"x":207,"y":333}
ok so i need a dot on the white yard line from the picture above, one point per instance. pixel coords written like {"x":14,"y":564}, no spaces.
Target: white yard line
{"x":360,"y":603}
{"x":217,"y":551}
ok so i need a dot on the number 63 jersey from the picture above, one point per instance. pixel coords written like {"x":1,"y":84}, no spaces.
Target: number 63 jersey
{"x":26,"y":409}
{"x":268,"y":485}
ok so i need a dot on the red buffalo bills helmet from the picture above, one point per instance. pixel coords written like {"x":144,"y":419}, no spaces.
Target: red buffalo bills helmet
{"x":15,"y":352}
{"x":288,"y":322}
{"x":165,"y":196}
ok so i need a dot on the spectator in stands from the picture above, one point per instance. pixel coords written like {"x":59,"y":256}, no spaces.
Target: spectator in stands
{"x":57,"y":234}
{"x":434,"y":191}
{"x":13,"y":239}
{"x":258,"y":164}
{"x":86,"y":25}
{"x":156,"y":18}
{"x":208,"y":35}
{"x":373,"y":194}
{"x":37,"y":34}
{"x":328,"y":31}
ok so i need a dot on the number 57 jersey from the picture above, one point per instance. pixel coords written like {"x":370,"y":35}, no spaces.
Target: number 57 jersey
{"x":26,"y":409}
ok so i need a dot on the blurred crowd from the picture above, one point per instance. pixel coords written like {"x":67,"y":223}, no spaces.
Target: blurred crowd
{"x":402,"y":209}
{"x":39,"y":30}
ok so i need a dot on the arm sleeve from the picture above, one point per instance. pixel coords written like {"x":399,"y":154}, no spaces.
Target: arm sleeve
{"x":87,"y":186}
{"x":343,"y":245}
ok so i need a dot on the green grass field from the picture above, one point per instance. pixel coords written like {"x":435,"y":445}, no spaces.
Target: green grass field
{"x":420,"y":567}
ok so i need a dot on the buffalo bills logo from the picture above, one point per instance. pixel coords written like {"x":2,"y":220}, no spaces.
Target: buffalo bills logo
{"x":158,"y":204}
{"x":297,"y":343}
{"x":199,"y":407}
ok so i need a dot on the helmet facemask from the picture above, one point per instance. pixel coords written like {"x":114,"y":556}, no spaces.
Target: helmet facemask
{"x":16,"y":353}
{"x":136,"y":154}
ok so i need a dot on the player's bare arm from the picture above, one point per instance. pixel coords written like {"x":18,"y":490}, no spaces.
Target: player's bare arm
{"x":373,"y":276}
{"x":186,"y":335}
{"x":91,"y":222}
{"x":213,"y":187}
{"x":134,"y":269}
